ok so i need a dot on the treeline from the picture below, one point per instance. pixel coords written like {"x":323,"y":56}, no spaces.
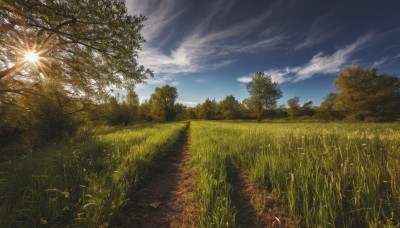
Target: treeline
{"x":51,"y":112}
{"x":363,"y":95}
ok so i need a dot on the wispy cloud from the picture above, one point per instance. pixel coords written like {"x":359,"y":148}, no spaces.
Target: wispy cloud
{"x":159,"y":15}
{"x":202,"y":48}
{"x":385,"y":60}
{"x":318,"y":64}
{"x":328,"y":64}
{"x":322,"y":29}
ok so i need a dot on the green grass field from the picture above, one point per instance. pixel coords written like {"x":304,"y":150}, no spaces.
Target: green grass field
{"x":328,"y":174}
{"x":85,"y":182}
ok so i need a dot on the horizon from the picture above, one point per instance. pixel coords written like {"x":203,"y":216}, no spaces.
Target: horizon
{"x":210,"y":49}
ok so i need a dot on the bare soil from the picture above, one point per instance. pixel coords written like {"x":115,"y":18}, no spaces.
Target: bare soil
{"x":256,"y":207}
{"x":167,"y":198}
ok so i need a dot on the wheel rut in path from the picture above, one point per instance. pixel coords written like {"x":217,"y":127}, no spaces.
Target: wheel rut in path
{"x":257,"y":208}
{"x":166,"y":199}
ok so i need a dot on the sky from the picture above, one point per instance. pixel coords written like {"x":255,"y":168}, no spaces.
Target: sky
{"x":212,"y":48}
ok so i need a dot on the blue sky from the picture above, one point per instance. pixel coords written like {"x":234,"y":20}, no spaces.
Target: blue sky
{"x":211,"y":48}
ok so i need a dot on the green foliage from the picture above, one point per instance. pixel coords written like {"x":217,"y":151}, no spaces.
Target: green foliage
{"x":116,"y":112}
{"x":50,"y":117}
{"x":229,"y":108}
{"x":293,"y":106}
{"x":365,"y":95}
{"x":162,"y":103}
{"x":84,"y":45}
{"x":208,"y":110}
{"x":34,"y":120}
{"x":181,"y":112}
{"x":144,"y":111}
{"x":326,"y":109}
{"x":263,"y":94}
{"x":308,"y":109}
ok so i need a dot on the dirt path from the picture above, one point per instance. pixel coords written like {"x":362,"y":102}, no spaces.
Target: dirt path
{"x":167,"y":198}
{"x":257,"y":208}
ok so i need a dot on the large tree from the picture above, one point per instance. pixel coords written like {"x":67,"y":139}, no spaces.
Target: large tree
{"x":365,"y":95}
{"x":86,"y":46}
{"x":162,"y":102}
{"x":263,"y":94}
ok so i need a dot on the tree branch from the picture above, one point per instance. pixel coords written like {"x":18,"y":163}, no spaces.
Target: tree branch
{"x":18,"y":91}
{"x":10,"y":70}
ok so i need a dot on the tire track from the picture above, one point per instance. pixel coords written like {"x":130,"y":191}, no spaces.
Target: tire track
{"x":167,"y":197}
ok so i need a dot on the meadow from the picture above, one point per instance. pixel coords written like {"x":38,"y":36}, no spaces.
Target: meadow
{"x":85,"y":181}
{"x":330,"y":175}
{"x":327,"y":174}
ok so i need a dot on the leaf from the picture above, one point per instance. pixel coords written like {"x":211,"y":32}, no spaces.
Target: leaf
{"x":155,"y":205}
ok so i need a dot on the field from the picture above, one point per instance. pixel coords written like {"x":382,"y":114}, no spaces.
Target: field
{"x":328,"y":174}
{"x":85,"y":183}
{"x":235,"y":174}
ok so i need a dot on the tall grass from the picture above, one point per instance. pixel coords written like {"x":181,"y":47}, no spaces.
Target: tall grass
{"x":332,"y":175}
{"x":85,"y":182}
{"x":213,"y":190}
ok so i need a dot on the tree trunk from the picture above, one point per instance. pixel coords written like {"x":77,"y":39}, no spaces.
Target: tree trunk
{"x":259,"y":118}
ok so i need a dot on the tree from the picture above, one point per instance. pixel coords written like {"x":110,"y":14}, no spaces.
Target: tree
{"x":46,"y":115}
{"x":162,"y":102}
{"x":326,"y":108}
{"x":181,"y":112}
{"x":114,"y":112}
{"x":281,"y":111}
{"x":229,"y":107}
{"x":144,"y":111}
{"x":86,"y":46}
{"x":365,"y":95}
{"x":208,"y":110}
{"x":308,"y":109}
{"x":263,"y":94}
{"x":132,"y":103}
{"x":293,"y":106}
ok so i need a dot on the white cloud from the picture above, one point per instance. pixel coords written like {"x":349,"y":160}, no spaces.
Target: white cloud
{"x":188,"y":103}
{"x":200,"y":49}
{"x":329,"y":64}
{"x":277,"y":75}
{"x":319,"y":64}
{"x":244,"y":79}
{"x":282,"y":75}
{"x":200,"y":80}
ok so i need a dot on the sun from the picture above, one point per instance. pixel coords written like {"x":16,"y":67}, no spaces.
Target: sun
{"x":31,"y":56}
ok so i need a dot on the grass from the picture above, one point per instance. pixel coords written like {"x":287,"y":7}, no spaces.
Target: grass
{"x":331,"y":175}
{"x":82,"y":183}
{"x":212,"y":187}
